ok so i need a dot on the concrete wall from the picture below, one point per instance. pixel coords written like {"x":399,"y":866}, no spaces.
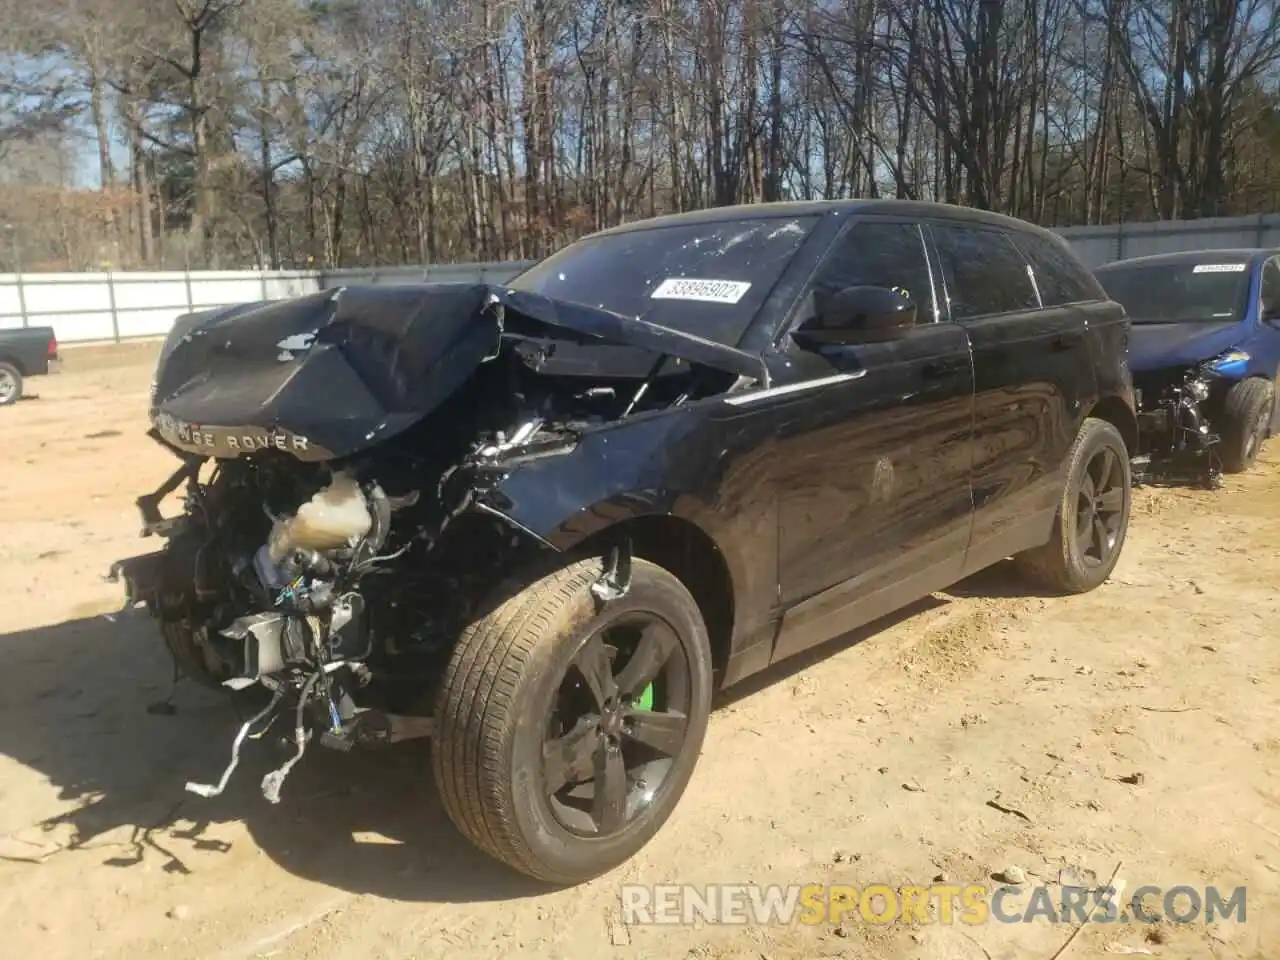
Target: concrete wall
{"x":88,"y":307}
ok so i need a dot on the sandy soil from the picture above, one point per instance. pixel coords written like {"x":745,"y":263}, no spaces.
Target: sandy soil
{"x":985,"y":693}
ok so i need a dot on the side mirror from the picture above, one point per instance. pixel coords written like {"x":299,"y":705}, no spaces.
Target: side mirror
{"x":860,"y":315}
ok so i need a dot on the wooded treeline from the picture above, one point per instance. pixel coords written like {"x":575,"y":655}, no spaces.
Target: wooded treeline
{"x":309,"y":133}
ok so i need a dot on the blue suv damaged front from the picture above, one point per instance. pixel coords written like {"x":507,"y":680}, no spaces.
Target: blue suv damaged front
{"x":1204,"y":352}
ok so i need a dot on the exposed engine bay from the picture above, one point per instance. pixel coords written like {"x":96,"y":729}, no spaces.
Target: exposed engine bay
{"x":343,"y":524}
{"x":1176,"y":441}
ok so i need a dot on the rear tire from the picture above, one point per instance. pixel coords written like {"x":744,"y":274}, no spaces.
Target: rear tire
{"x":10,"y":384}
{"x":1093,"y":515}
{"x":1246,"y":416}
{"x":505,"y":732}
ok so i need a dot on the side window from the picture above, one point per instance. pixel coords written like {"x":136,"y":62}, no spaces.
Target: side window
{"x":985,"y":273}
{"x":1059,"y":276}
{"x":1271,"y":286}
{"x":882,"y":255}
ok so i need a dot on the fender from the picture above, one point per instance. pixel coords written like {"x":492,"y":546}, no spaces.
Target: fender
{"x":707,"y":463}
{"x":1119,"y":407}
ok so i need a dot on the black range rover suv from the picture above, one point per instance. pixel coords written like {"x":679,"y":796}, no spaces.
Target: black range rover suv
{"x":662,"y":459}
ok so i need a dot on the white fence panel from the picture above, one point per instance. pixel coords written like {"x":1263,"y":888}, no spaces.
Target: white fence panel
{"x":77,"y":305}
{"x":218,"y":290}
{"x":149,"y":291}
{"x":79,"y":327}
{"x":147,"y":304}
{"x":148,"y":322}
{"x":11,"y":311}
{"x":56,"y":292}
{"x":286,"y":284}
{"x":90,"y":307}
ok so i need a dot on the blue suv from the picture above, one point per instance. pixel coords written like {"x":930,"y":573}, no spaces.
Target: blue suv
{"x":1204,"y":354}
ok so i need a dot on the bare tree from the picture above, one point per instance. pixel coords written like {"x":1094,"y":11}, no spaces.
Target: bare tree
{"x":290,"y":133}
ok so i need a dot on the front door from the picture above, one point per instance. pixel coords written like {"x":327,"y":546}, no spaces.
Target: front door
{"x":872,"y":466}
{"x":1033,"y":372}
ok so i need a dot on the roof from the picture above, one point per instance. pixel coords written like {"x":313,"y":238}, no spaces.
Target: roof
{"x":811,"y":208}
{"x":1228,"y":254}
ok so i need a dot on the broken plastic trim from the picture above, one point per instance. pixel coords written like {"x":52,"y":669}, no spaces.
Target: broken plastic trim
{"x":522,"y":436}
{"x":375,"y":728}
{"x":539,"y":449}
{"x":153,"y":522}
{"x":615,"y":581}
{"x":141,"y":576}
{"x":515,"y":524}
{"x":654,"y":337}
{"x":262,"y":635}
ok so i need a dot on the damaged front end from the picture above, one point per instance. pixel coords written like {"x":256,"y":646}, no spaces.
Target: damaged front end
{"x":1176,"y":442}
{"x":317,"y":584}
{"x":337,"y":455}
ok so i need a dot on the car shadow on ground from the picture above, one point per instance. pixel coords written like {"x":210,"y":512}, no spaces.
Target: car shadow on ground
{"x":74,"y":698}
{"x":1000,"y":580}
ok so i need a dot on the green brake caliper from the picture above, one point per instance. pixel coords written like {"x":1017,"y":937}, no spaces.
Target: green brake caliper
{"x":646,"y":698}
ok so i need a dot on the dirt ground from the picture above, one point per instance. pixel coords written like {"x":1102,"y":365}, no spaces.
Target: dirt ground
{"x":876,"y":760}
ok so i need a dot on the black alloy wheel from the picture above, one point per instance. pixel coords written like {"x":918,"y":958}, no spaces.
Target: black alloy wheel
{"x":1093,"y":514}
{"x":617,"y":724}
{"x":569,"y":727}
{"x":1100,"y":507}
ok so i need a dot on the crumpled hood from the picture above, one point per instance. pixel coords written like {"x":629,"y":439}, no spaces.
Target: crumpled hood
{"x":1154,"y":346}
{"x":331,"y":373}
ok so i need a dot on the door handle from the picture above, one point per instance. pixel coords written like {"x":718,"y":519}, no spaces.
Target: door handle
{"x":942,"y":368}
{"x":1066,"y":341}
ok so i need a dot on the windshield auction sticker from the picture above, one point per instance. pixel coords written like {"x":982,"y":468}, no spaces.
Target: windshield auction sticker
{"x":1219,"y":268}
{"x":708,"y":291}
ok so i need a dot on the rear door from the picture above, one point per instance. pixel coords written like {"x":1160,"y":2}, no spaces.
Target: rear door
{"x":1033,"y":373}
{"x":872,"y":467}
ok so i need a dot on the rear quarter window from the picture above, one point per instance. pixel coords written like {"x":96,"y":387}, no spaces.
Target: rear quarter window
{"x":985,"y":273}
{"x":1061,"y":277}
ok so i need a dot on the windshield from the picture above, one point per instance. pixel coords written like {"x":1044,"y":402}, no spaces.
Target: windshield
{"x":1190,"y":291}
{"x":707,"y":278}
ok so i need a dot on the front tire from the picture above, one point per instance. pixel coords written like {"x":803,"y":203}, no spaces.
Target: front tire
{"x":192,"y":655}
{"x":1246,"y":413}
{"x":568,"y":729}
{"x":1093,"y":515}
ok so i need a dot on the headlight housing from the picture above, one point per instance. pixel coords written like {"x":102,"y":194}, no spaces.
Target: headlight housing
{"x":1230,"y":364}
